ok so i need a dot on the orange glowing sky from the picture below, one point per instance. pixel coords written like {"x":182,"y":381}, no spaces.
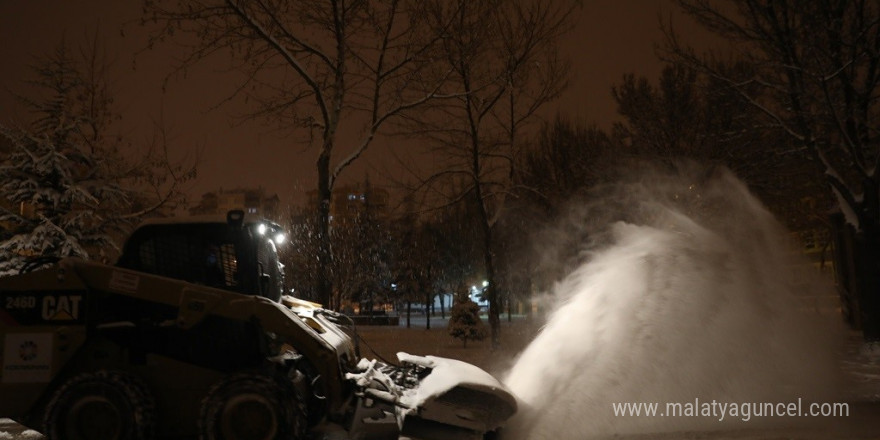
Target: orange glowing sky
{"x":611,"y":38}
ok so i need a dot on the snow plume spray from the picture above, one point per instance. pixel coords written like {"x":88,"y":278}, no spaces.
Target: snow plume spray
{"x":688,"y":292}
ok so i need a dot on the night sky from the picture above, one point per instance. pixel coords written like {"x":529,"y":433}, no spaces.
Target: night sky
{"x":610,"y":38}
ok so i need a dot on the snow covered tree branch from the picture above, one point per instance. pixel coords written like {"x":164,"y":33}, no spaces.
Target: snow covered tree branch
{"x":70,"y":187}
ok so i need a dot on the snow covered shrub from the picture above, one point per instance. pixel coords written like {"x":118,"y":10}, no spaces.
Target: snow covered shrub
{"x":465,"y":322}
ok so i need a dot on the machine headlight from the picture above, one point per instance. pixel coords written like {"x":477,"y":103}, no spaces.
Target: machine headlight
{"x":279,"y":238}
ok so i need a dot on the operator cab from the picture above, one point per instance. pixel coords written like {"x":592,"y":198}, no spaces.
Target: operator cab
{"x":236,"y":253}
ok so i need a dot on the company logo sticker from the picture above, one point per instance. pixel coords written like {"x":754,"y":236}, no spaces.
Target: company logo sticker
{"x":124,"y":281}
{"x":27,"y":351}
{"x":38,"y":307}
{"x":61,"y":307}
{"x":27,"y":357}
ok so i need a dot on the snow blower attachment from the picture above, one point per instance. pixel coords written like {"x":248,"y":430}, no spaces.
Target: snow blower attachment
{"x":190,"y":335}
{"x":437,"y":398}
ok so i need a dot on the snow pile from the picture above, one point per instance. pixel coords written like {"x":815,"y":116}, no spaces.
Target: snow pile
{"x":693,"y":296}
{"x":28,"y":434}
{"x":870,"y":351}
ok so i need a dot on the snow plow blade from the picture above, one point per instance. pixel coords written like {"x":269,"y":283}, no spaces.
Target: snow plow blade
{"x":455,"y":400}
{"x":436,"y":398}
{"x":447,"y":399}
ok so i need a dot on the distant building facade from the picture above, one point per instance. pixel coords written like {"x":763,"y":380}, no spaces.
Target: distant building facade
{"x":251,"y":200}
{"x":351,"y":199}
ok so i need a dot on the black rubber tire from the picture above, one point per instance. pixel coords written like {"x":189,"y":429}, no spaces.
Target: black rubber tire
{"x":105,"y":405}
{"x":251,"y":406}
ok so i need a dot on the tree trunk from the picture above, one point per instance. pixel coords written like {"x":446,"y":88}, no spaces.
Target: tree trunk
{"x":370,"y":305}
{"x":492,"y":294}
{"x":857,"y":266}
{"x":428,"y":306}
{"x":870,"y":262}
{"x":408,"y":313}
{"x":528,"y":299}
{"x":324,"y":286}
{"x":491,"y":291}
{"x":843,"y":237}
{"x":868,"y":267}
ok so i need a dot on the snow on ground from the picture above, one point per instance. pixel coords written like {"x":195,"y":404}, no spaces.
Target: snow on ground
{"x":871,"y":352}
{"x":862,"y":424}
{"x":10,"y":430}
{"x":861,"y":364}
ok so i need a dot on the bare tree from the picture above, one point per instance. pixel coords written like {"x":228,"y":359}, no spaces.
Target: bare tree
{"x":815,"y":75}
{"x":456,"y":243}
{"x":318,"y":68}
{"x":688,"y":115}
{"x":416,"y":268}
{"x":505,"y":66}
{"x":362,"y":244}
{"x":562,"y":164}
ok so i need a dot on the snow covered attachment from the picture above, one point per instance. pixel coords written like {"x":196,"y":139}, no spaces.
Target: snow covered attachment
{"x":438,"y":398}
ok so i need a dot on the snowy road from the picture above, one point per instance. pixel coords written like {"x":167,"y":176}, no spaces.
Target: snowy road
{"x":863,"y":422}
